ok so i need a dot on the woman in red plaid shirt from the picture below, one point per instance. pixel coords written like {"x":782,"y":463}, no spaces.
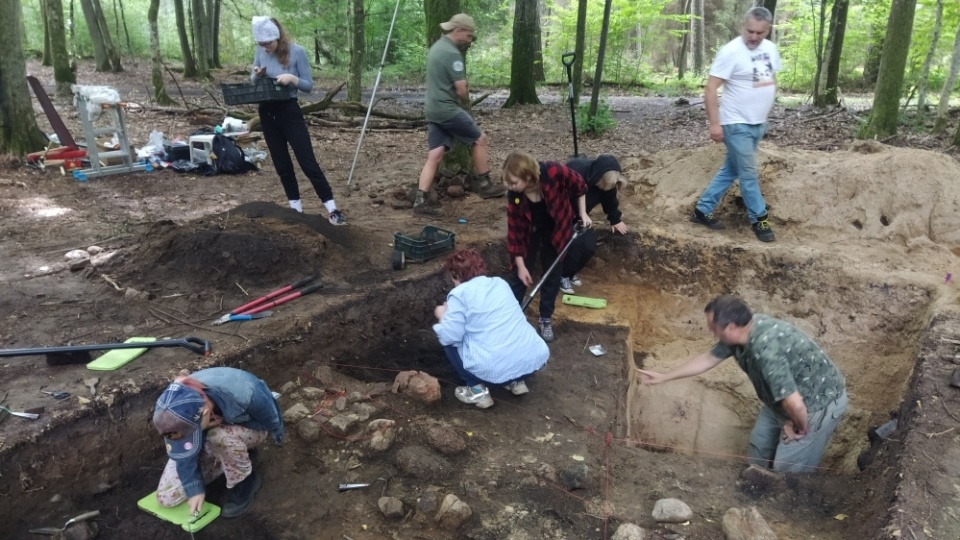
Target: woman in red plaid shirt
{"x":540,"y":218}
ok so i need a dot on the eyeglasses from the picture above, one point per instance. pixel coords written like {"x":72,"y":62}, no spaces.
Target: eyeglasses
{"x":266,"y":44}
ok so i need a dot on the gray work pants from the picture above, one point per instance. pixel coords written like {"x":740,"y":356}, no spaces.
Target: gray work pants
{"x":802,"y":456}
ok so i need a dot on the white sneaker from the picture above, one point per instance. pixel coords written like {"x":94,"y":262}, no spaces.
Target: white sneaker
{"x":477,"y":395}
{"x":575,"y":280}
{"x":566,"y":286}
{"x":518,"y":388}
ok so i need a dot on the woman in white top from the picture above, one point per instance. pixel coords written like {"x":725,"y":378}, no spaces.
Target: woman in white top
{"x":484,"y":332}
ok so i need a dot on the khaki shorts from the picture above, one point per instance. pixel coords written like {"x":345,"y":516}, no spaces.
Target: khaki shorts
{"x":461,"y":127}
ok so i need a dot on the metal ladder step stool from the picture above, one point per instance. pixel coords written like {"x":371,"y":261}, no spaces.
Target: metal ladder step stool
{"x":91,"y":132}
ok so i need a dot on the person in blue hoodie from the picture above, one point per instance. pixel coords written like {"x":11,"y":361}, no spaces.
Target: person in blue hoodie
{"x":210,"y":421}
{"x":484,"y":333}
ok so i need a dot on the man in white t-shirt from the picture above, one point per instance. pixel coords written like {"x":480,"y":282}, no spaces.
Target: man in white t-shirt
{"x":746,"y":68}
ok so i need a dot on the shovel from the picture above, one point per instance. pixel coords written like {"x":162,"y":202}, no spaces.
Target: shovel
{"x":53,"y":531}
{"x":578,"y":229}
{"x":31,"y":416}
{"x":80,"y":354}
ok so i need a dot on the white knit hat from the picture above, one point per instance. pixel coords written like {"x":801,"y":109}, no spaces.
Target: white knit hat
{"x":264,"y":29}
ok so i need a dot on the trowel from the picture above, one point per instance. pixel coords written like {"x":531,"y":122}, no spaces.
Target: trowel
{"x":53,"y":531}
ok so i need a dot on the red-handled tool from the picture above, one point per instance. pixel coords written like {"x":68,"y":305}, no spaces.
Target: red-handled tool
{"x":293,"y":296}
{"x":246,"y":308}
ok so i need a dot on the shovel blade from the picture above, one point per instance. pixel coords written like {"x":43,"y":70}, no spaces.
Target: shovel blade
{"x":49,"y":531}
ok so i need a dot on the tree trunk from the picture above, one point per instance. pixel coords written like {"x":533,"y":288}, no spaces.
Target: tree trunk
{"x":200,"y":39}
{"x":831,"y":75}
{"x":771,"y":5}
{"x":927,"y":62}
{"x":526,"y":28}
{"x":215,"y":37}
{"x":598,"y":78}
{"x":156,"y":63}
{"x":126,"y":31}
{"x":684,"y":41}
{"x":956,"y":137}
{"x":189,"y":64}
{"x":697,"y":46}
{"x":62,"y":72}
{"x":941,"y":123}
{"x":113,"y":55}
{"x":886,"y":100}
{"x":357,"y":51}
{"x":818,"y":48}
{"x":19,"y":134}
{"x":538,"y":74}
{"x":100,"y":58}
{"x":47,"y":58}
{"x":580,"y":49}
{"x":871,"y":67}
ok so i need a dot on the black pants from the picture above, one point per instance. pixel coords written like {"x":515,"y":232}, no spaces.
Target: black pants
{"x":283,"y":124}
{"x":581,"y":251}
{"x":539,"y":244}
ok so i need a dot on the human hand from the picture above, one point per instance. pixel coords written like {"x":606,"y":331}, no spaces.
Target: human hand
{"x":196,"y":503}
{"x":620,"y":228}
{"x":440,"y":311}
{"x":651,"y":377}
{"x":587,"y":222}
{"x":259,"y":71}
{"x":524,"y":276}
{"x":790,"y":433}
{"x":288,"y":79}
{"x":716,"y":132}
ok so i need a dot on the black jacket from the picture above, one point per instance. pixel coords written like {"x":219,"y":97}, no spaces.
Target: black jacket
{"x":592,"y":170}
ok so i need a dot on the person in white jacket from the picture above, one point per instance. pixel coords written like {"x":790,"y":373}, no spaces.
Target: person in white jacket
{"x":484,"y":332}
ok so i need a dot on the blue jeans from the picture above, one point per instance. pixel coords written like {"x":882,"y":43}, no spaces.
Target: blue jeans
{"x":453,"y":355}
{"x":802,"y":456}
{"x":741,"y":141}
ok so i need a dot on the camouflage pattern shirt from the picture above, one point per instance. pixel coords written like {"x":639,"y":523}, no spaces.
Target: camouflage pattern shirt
{"x":780,"y":360}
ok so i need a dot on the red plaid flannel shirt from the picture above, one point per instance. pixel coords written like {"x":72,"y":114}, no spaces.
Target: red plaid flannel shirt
{"x":559,"y":184}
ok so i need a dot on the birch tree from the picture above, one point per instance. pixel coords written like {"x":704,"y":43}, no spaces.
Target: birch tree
{"x":941,"y":122}
{"x":927,"y":62}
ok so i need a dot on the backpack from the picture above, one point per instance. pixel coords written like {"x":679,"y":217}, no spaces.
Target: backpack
{"x":227,"y":156}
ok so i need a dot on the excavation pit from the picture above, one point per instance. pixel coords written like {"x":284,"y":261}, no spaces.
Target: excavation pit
{"x":589,"y":447}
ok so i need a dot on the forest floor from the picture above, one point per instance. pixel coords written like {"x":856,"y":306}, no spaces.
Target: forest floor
{"x":867,"y":242}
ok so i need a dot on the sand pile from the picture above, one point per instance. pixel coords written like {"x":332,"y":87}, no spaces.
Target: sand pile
{"x":870,"y":191}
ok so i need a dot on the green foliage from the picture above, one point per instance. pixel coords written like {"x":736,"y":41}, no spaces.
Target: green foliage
{"x":600,"y":123}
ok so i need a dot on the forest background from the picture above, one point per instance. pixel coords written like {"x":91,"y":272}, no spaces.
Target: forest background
{"x":651,"y":46}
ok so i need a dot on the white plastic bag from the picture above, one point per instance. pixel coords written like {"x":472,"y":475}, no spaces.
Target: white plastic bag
{"x":95,"y":96}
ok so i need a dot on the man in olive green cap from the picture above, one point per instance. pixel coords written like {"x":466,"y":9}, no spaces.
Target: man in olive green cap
{"x":447,"y":93}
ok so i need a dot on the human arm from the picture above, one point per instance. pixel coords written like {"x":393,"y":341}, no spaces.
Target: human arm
{"x":518,"y":229}
{"x":611,"y":207}
{"x":191,"y":479}
{"x":462,"y":90}
{"x":300,"y":75}
{"x":453,"y":322}
{"x":693,"y":367}
{"x":522,"y":272}
{"x":439,"y":311}
{"x":258,"y":71}
{"x":796,"y":410}
{"x":711,"y":103}
{"x":573,"y":184}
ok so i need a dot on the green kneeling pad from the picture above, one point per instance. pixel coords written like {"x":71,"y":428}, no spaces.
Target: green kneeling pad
{"x":584,"y":301}
{"x":180,"y":514}
{"x":118,"y":358}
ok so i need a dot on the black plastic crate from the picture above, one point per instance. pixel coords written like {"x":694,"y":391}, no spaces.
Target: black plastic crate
{"x":431,"y":243}
{"x":266,"y":89}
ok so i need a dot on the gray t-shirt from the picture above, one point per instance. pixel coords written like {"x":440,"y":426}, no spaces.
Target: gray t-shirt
{"x":780,"y":360}
{"x":444,"y":68}
{"x":297,"y":65}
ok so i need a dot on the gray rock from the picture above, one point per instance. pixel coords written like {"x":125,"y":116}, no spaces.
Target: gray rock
{"x":628,"y":531}
{"x":342,"y":424}
{"x":421,"y":463}
{"x":94,"y":250}
{"x":341,"y":403}
{"x":391,"y":507}
{"x":296,"y":413}
{"x":76,"y":254}
{"x":547,"y":472}
{"x":310,"y":392}
{"x":575,"y":477}
{"x":452,"y":513}
{"x":445,"y":440}
{"x":288,"y":387}
{"x":398,"y":204}
{"x":455,"y":191}
{"x":428,"y":502}
{"x":364,"y":410}
{"x":671,"y":511}
{"x":746,"y":524}
{"x":79,"y":264}
{"x":355,"y":397}
{"x":382,"y":434}
{"x":308,"y":430}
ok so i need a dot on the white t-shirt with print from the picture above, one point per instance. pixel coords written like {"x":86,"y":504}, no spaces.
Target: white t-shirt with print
{"x":749,"y":83}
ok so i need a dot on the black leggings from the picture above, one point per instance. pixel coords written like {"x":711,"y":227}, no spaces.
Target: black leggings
{"x":581,"y":251}
{"x":283,"y":124}
{"x":539,"y":244}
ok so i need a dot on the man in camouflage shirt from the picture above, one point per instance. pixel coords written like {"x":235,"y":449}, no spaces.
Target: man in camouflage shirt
{"x":803,"y":393}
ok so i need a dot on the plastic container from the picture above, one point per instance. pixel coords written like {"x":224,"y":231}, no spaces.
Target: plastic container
{"x":431,"y":242}
{"x":266,"y":89}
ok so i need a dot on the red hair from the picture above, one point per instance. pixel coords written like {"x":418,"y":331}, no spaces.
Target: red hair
{"x":465,"y":264}
{"x":190,"y":382}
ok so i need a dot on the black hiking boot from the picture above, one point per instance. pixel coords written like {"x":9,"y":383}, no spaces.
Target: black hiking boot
{"x":707,"y":220}
{"x":240,"y":497}
{"x":762,"y":229}
{"x":422,"y":206}
{"x":486,"y":188}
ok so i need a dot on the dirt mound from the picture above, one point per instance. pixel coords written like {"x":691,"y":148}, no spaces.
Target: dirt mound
{"x":870,"y":191}
{"x":255,"y":247}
